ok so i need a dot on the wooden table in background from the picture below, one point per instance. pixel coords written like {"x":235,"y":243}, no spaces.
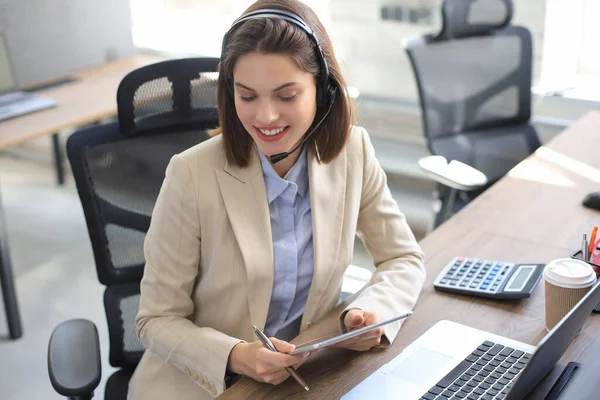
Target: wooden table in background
{"x":534,"y":214}
{"x":87,"y":97}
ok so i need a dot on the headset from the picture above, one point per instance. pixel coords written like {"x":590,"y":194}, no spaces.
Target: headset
{"x":326,"y":89}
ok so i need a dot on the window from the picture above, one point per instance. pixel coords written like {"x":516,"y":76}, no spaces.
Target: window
{"x":571,"y":59}
{"x":589,"y":58}
{"x":191,"y":26}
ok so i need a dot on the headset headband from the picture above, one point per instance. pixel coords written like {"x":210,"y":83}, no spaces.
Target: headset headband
{"x":325,"y":91}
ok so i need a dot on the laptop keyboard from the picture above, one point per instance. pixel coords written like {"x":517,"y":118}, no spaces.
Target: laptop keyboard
{"x":486,"y":374}
{"x":14,"y":98}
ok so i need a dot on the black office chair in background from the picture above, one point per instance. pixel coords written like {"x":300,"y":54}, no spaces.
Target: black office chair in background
{"x":474,"y":84}
{"x":119,"y":168}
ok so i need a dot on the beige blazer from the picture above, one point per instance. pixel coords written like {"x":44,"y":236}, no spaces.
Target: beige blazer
{"x":209,"y":260}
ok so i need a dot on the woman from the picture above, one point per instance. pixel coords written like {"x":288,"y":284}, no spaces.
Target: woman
{"x":257,"y":224}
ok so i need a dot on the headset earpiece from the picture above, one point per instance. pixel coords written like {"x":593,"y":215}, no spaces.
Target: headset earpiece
{"x":332,"y":89}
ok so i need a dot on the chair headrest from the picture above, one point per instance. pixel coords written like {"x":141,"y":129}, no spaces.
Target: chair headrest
{"x":464,"y":18}
{"x":168,"y":94}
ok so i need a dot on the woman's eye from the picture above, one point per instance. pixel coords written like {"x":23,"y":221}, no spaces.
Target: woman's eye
{"x":288,"y":98}
{"x":247,"y":98}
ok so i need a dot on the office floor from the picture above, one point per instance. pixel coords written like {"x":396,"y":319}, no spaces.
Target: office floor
{"x":54,"y":269}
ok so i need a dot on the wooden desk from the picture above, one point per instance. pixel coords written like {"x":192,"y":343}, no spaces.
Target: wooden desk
{"x":540,"y":199}
{"x":90,"y":97}
{"x":519,"y":220}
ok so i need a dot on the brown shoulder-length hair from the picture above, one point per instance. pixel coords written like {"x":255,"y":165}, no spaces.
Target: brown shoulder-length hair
{"x":277,"y":36}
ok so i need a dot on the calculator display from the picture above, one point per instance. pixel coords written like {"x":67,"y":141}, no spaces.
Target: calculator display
{"x":521,"y":278}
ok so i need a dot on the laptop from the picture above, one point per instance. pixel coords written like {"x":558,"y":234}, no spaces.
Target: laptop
{"x":19,"y":103}
{"x":16,"y":103}
{"x":455,"y":361}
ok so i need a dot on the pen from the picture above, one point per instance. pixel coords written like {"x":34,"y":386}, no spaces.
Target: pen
{"x":584,"y":248}
{"x":592,"y":242}
{"x":265,"y":340}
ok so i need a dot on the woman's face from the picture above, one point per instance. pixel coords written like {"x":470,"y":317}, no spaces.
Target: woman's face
{"x":274,"y":99}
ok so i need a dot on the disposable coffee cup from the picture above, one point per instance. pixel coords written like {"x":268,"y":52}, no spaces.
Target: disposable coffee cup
{"x":566,"y":281}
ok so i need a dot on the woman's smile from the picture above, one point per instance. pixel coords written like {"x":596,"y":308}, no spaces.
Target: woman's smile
{"x":271,"y":134}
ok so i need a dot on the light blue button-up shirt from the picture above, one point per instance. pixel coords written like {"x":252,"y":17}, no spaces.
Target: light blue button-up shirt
{"x":291,"y":228}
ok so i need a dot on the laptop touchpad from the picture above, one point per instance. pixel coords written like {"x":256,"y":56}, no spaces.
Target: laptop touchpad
{"x":421,"y":366}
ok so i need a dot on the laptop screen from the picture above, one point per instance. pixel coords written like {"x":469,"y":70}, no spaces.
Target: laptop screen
{"x":7,"y":82}
{"x":554,"y":344}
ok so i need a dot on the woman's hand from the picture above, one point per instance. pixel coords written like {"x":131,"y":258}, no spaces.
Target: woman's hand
{"x":261,"y":364}
{"x":356,"y":319}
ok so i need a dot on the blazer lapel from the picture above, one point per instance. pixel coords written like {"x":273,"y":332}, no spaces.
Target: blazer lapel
{"x":327,"y":184}
{"x":245,"y":198}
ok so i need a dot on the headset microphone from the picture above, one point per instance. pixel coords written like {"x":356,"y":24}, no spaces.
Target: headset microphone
{"x":275,"y":158}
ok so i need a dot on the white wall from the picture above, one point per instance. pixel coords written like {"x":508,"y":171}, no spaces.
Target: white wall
{"x":49,"y":38}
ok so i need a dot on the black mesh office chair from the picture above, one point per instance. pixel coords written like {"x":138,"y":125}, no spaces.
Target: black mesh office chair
{"x":474,"y":84}
{"x":163,"y":109}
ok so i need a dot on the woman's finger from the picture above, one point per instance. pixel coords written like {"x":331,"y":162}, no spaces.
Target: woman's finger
{"x":276,"y":377}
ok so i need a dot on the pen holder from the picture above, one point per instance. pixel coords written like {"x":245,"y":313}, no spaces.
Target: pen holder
{"x":578,"y":255}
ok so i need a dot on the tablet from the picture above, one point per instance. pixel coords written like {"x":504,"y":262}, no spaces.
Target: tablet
{"x":337,"y":337}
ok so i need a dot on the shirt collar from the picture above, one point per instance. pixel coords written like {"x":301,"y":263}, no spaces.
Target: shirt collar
{"x":276,"y":185}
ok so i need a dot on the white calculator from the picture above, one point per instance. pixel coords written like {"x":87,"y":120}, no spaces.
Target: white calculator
{"x":488,"y":278}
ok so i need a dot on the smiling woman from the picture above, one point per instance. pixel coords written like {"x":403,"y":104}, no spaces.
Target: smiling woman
{"x":256,"y":226}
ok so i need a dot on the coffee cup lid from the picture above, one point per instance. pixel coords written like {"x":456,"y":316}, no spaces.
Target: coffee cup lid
{"x":569,"y":273}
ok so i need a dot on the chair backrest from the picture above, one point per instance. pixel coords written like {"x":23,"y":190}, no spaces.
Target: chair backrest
{"x":118,"y":173}
{"x":476,"y":73}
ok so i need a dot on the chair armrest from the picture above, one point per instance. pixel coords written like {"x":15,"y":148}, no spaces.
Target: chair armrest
{"x":74,"y":363}
{"x":455,"y":174}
